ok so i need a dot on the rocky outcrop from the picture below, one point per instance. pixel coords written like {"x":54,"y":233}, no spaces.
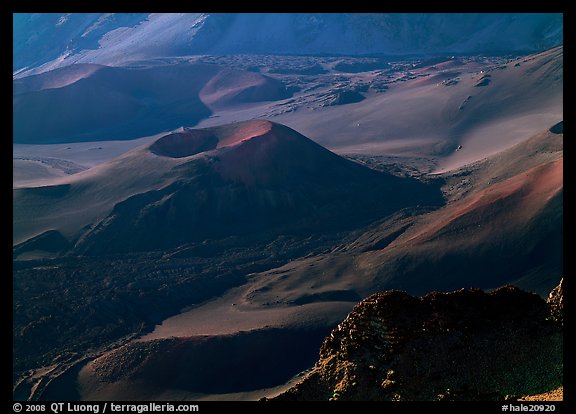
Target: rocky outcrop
{"x":556,"y":303}
{"x":463,"y":345}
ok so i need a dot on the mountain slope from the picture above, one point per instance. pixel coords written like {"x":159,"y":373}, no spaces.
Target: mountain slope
{"x":507,"y":223}
{"x":94,"y":102}
{"x":46,"y":41}
{"x":502,"y":224}
{"x":247,"y":178}
{"x":442,"y":115}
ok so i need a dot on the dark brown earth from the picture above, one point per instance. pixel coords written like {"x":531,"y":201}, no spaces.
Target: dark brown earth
{"x":463,"y":345}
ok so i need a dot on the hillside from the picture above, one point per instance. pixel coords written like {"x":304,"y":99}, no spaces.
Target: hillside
{"x":46,"y":41}
{"x":250,"y":178}
{"x":94,"y":102}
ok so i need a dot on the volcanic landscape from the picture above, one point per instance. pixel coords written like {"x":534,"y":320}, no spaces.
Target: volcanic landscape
{"x":194,"y":219}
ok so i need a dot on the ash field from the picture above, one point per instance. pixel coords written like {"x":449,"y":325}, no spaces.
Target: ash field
{"x":198,"y":206}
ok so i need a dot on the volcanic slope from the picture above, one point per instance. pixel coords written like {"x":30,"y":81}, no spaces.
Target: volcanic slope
{"x":89,"y":102}
{"x":47,"y":40}
{"x":502,"y":224}
{"x":454,"y":115}
{"x":254,"y":177}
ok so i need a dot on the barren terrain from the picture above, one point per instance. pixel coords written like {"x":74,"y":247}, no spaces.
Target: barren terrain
{"x":228,"y":226}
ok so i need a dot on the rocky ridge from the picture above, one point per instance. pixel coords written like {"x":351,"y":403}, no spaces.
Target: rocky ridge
{"x":462,"y":345}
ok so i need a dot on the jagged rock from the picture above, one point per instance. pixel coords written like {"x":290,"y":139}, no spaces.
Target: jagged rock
{"x":463,"y":345}
{"x":556,"y":303}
